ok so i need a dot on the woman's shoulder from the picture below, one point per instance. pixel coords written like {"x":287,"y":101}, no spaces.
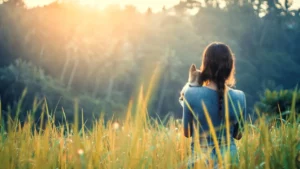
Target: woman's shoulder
{"x":196,"y":90}
{"x":199,"y":91}
{"x":236,"y":94}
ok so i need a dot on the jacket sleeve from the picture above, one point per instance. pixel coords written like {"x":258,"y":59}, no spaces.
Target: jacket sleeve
{"x":244,"y":111}
{"x":187,"y":117}
{"x":244,"y":107}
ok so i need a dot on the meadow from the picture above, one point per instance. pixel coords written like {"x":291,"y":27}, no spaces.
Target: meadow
{"x":82,"y":67}
{"x":139,"y":142}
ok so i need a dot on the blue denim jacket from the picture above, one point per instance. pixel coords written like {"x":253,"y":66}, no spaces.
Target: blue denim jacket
{"x":194,"y":96}
{"x":193,"y":113}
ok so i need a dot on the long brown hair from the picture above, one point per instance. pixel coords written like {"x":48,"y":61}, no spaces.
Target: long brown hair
{"x":218,"y":67}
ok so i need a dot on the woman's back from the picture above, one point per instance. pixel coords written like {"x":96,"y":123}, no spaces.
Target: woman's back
{"x":194,"y":97}
{"x":217,"y":72}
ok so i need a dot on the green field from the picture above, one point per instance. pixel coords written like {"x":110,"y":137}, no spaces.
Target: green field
{"x":139,"y":142}
{"x":96,"y":85}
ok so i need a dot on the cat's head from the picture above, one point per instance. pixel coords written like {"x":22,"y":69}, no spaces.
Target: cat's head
{"x":194,"y":76}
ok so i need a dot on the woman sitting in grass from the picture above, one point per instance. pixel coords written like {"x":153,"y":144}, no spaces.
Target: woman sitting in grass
{"x":206,"y":111}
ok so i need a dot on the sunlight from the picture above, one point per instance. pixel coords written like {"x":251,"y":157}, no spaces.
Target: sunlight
{"x":142,"y":5}
{"x":34,"y":3}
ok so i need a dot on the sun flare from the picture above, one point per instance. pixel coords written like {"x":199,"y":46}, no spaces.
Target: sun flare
{"x":140,"y":4}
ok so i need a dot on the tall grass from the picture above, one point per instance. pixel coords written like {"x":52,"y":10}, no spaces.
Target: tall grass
{"x":138,"y":142}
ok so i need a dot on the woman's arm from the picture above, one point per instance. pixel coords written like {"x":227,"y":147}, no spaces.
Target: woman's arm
{"x":187,"y":120}
{"x":244,"y":109}
{"x":239,"y":126}
{"x":237,"y":132}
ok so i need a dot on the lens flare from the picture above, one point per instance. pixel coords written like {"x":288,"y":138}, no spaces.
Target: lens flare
{"x":80,"y":152}
{"x":116,"y":125}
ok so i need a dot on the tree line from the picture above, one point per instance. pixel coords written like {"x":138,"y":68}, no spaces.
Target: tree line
{"x":64,"y":51}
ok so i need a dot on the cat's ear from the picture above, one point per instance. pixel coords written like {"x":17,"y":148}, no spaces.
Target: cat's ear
{"x":193,"y":68}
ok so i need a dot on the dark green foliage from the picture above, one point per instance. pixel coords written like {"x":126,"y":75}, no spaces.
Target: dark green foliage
{"x":24,"y":76}
{"x":102,"y":57}
{"x":276,"y":102}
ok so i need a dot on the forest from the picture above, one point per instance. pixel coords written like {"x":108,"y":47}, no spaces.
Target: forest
{"x":65,"y":53}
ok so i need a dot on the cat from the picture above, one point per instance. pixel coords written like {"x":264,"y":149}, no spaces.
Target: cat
{"x":193,"y":81}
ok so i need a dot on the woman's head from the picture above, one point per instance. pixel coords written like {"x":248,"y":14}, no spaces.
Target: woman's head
{"x":218,"y":64}
{"x":218,"y":67}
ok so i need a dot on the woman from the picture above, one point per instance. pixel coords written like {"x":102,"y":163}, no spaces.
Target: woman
{"x":217,"y":76}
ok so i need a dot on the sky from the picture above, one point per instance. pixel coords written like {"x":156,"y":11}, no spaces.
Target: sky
{"x":142,"y":5}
